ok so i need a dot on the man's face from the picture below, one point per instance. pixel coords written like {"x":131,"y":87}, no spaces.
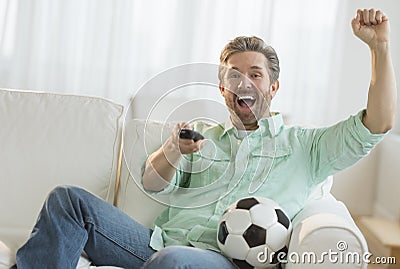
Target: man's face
{"x":246,"y":88}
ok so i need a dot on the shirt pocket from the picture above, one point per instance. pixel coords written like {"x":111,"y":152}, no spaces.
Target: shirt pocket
{"x":207,"y":170}
{"x":278,"y":152}
{"x":264,"y":164}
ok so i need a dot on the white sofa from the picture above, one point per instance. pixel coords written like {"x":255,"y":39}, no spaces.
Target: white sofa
{"x":52,"y":139}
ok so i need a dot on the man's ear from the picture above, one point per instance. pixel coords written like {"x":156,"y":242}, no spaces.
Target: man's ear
{"x":274,"y":88}
{"x":221,"y":89}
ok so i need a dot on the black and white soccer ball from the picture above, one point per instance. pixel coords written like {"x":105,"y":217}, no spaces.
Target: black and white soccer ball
{"x":254,"y":232}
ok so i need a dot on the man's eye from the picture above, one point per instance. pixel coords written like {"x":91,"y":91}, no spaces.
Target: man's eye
{"x":256,"y":75}
{"x":234,"y":75}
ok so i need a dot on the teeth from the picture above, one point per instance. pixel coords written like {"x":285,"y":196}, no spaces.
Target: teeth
{"x":246,"y":97}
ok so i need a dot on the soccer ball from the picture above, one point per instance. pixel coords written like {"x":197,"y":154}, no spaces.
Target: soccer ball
{"x":254,"y":232}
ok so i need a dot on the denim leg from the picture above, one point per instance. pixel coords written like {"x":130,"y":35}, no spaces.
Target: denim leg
{"x":183,"y":257}
{"x":73,"y":220}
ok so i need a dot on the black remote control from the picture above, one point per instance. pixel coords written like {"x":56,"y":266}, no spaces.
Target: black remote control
{"x":190,"y":134}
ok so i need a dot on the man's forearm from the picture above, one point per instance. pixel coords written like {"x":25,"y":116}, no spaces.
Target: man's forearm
{"x":161,"y":167}
{"x":382,"y":95}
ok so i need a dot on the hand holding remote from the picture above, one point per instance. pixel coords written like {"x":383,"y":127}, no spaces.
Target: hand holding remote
{"x":190,"y":134}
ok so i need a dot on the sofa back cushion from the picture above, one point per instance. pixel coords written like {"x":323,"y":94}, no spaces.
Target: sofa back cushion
{"x":53,"y":139}
{"x":141,"y":138}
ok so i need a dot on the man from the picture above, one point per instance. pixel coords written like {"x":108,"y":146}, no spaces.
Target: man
{"x":296,"y":159}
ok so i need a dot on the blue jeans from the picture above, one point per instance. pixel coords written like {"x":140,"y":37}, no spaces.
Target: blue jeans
{"x":73,"y":220}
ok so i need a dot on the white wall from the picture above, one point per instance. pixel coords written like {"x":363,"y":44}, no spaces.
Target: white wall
{"x":357,"y":186}
{"x":356,"y":60}
{"x":387,"y":199}
{"x":371,"y":187}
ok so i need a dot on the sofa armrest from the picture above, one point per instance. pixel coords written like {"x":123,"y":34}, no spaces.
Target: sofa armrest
{"x":325,"y":236}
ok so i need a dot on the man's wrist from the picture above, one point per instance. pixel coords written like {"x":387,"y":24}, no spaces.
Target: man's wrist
{"x":171,"y":151}
{"x":380,"y":47}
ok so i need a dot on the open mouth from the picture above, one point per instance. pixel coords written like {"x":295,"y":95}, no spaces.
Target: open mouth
{"x":246,"y":101}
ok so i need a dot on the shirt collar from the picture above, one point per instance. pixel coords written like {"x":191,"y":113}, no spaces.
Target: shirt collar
{"x":271,"y":125}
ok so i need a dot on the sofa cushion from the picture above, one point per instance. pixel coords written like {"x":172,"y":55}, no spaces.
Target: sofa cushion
{"x":53,"y":139}
{"x":141,"y":138}
{"x":6,"y":258}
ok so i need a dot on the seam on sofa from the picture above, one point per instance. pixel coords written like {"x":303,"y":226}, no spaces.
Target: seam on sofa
{"x":118,"y":174}
{"x":118,"y":137}
{"x":69,"y":95}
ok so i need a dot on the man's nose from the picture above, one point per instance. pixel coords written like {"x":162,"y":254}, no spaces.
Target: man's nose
{"x":245,"y":83}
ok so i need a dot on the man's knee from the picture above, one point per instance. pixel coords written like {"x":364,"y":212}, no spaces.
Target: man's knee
{"x":176,"y":257}
{"x":173,"y":254}
{"x":169,"y":258}
{"x":63,"y":194}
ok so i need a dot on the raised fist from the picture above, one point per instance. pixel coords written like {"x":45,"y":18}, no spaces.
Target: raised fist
{"x":371,"y":26}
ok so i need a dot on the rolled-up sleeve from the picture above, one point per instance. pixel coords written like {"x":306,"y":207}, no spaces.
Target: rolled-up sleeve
{"x":363,"y":134}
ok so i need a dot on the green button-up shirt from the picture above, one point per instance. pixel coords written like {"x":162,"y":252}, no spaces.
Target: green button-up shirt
{"x":278,"y":162}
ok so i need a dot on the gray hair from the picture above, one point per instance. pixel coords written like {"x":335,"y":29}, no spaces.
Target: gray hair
{"x":253,"y":43}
